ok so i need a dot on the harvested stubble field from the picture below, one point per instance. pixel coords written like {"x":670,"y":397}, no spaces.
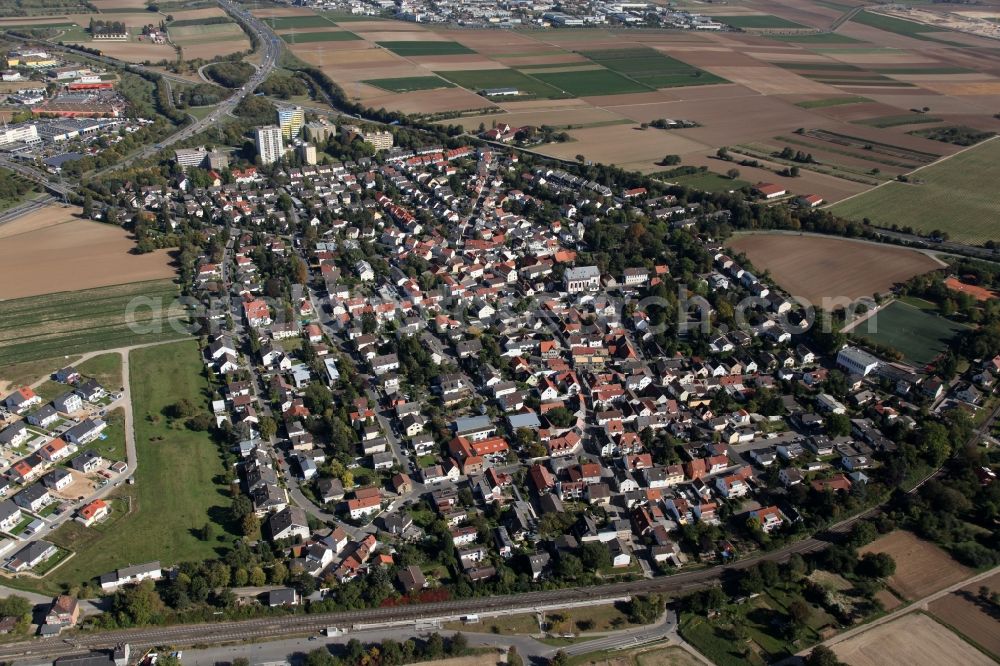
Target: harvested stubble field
{"x":818,"y":268}
{"x":922,"y":568}
{"x":49,"y":250}
{"x":965,"y":181}
{"x":970,"y":615}
{"x":911,"y":640}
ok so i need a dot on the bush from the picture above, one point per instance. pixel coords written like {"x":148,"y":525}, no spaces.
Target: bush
{"x":230,"y":74}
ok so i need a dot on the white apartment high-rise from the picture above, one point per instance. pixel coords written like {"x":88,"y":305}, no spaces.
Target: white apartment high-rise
{"x":269,"y":144}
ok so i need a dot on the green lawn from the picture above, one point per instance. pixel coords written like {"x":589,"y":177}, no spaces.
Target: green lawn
{"x":105,"y":368}
{"x":709,"y":182}
{"x":757,"y":21}
{"x":831,"y":101}
{"x":409,"y":48}
{"x":478,"y":79}
{"x":288,"y":22}
{"x":72,"y":322}
{"x":306,"y":37}
{"x":957,"y":195}
{"x":651,"y":68}
{"x":592,"y":83}
{"x":410,"y":83}
{"x":918,"y":334}
{"x":175,"y":492}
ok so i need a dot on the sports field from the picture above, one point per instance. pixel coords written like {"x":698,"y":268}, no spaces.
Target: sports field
{"x":73,"y":322}
{"x":410,"y":83}
{"x":307,"y":37}
{"x":957,"y":195}
{"x":919,"y":335}
{"x":413,"y":48}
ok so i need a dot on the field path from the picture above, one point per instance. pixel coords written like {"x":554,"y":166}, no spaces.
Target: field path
{"x":850,"y":326}
{"x":919,"y":605}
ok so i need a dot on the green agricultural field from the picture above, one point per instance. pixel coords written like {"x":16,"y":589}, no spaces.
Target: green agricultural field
{"x":176,"y":492}
{"x":651,"y":68}
{"x":883,"y":122}
{"x":426,"y":48}
{"x":289,"y":22}
{"x":751,"y":21}
{"x":919,"y":335}
{"x":306,"y":37}
{"x":410,"y":83}
{"x":894,"y":25}
{"x":478,"y":79}
{"x":831,"y":101}
{"x":821,"y":38}
{"x":957,"y":195}
{"x":73,"y":322}
{"x":592,"y":83}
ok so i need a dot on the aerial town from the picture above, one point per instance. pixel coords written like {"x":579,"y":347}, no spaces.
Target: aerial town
{"x":419,"y":391}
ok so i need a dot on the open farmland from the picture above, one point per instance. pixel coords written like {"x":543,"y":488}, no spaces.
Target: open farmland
{"x":419,"y":48}
{"x":957,"y":195}
{"x":922,"y":568}
{"x":970,"y":615}
{"x":918,"y":335}
{"x":529,"y":87}
{"x":818,"y":267}
{"x":757,"y":21}
{"x":73,"y":322}
{"x":911,"y":640}
{"x":50,"y":250}
{"x":652,"y":68}
{"x":326,"y":36}
{"x":592,"y":83}
{"x":409,"y":84}
{"x":850,"y":89}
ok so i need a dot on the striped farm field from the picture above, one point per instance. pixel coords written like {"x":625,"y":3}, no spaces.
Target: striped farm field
{"x":957,"y":195}
{"x":74,"y":322}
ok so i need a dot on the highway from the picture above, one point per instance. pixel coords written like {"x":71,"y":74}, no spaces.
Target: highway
{"x":271,"y":45}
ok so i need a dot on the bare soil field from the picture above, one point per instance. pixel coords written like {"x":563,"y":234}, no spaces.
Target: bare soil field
{"x":135,"y":51}
{"x":815,"y":268}
{"x":912,"y":640}
{"x":772,"y":80}
{"x":50,"y":250}
{"x":429,"y":101}
{"x":971,"y":616}
{"x":922,"y":568}
{"x":624,"y":145}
